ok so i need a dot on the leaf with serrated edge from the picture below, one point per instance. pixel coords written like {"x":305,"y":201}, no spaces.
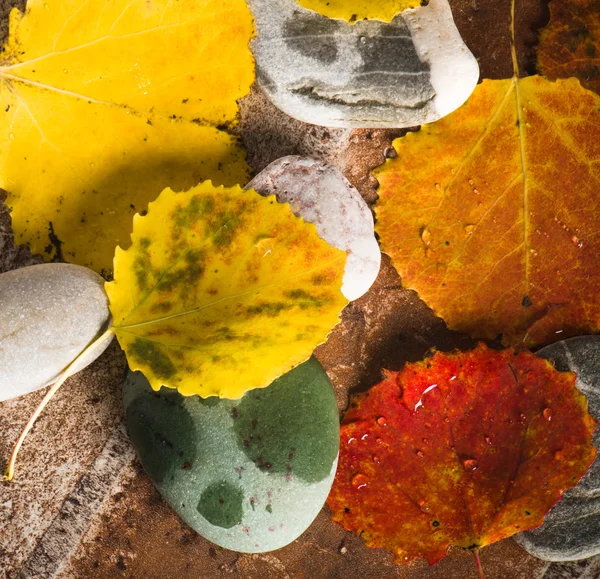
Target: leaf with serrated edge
{"x":354,"y":10}
{"x":461,"y":449}
{"x":106,"y":103}
{"x":570,"y":44}
{"x":223,"y":291}
{"x":491,"y":214}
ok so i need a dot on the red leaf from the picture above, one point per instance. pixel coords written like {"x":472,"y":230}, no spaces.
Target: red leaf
{"x":461,"y":449}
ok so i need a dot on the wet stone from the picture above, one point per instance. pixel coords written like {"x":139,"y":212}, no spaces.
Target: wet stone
{"x":249,"y":475}
{"x":320,"y":194}
{"x":411,"y":71}
{"x":571,"y":529}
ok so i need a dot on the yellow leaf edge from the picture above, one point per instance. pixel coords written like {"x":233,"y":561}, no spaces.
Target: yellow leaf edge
{"x":353,"y":11}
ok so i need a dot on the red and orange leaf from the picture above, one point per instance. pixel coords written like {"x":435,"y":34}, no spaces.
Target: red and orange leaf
{"x":491,"y":214}
{"x":570,"y":44}
{"x":461,"y":449}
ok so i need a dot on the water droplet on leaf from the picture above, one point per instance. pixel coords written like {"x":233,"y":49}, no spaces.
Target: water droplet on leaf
{"x":426,"y":236}
{"x":360,"y":481}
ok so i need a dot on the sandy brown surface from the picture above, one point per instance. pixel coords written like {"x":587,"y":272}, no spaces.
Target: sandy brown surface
{"x":81,"y":506}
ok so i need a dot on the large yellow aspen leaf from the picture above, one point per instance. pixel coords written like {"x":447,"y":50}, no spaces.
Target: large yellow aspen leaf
{"x":104,"y":104}
{"x":492,"y":213}
{"x":223,"y":291}
{"x":354,"y":10}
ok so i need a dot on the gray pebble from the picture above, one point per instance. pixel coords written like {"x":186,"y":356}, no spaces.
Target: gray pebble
{"x":571,"y":529}
{"x":49,"y":313}
{"x":324,"y":71}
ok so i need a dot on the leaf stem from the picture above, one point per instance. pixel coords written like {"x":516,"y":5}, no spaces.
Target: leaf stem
{"x":478,"y":563}
{"x":67,"y":373}
{"x":513,"y":50}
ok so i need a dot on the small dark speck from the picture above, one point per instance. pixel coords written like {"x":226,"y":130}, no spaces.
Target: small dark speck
{"x":526,"y":303}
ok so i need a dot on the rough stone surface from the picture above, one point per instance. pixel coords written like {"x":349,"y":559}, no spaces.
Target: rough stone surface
{"x":571,"y":530}
{"x":410,"y":71}
{"x":49,"y":314}
{"x":250,"y":474}
{"x":320,"y":194}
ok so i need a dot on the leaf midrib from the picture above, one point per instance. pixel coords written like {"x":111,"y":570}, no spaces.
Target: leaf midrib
{"x":230,"y":297}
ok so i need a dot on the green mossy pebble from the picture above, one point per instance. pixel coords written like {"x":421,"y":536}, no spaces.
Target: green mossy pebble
{"x":250,"y":474}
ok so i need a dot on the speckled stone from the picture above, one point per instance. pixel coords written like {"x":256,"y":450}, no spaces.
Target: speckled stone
{"x":49,"y":313}
{"x":571,"y":530}
{"x":324,"y":71}
{"x":320,"y":194}
{"x":249,"y":475}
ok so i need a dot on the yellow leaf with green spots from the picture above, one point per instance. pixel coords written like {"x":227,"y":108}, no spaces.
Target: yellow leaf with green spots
{"x":354,"y":10}
{"x":104,"y":104}
{"x":223,"y":291}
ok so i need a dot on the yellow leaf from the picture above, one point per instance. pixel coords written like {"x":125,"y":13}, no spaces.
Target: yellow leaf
{"x":106,"y":103}
{"x":222,"y":291}
{"x":354,"y":10}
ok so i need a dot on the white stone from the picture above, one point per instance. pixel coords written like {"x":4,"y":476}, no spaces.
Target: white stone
{"x":413,"y":70}
{"x":49,"y":314}
{"x":320,"y":194}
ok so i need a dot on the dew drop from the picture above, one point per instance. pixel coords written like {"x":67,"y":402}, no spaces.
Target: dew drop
{"x":471,"y":182}
{"x":547,"y":414}
{"x":426,"y":236}
{"x":469,"y":229}
{"x":65,"y":70}
{"x":378,"y":440}
{"x":488,"y":440}
{"x":471,"y":464}
{"x":376,"y":459}
{"x":360,"y":481}
{"x":438,"y":186}
{"x":382,"y":421}
{"x":363,"y":40}
{"x":424,"y":506}
{"x":420,"y":454}
{"x":364,"y":436}
{"x":425,"y":441}
{"x":533,"y":252}
{"x":430,"y":254}
{"x":522,"y":418}
{"x":11,"y":136}
{"x":351,"y":440}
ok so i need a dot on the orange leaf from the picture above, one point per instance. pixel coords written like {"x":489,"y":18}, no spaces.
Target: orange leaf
{"x":570,"y":44}
{"x":461,"y":449}
{"x":491,"y":214}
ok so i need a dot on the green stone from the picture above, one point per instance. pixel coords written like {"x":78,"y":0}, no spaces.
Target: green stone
{"x":250,"y":474}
